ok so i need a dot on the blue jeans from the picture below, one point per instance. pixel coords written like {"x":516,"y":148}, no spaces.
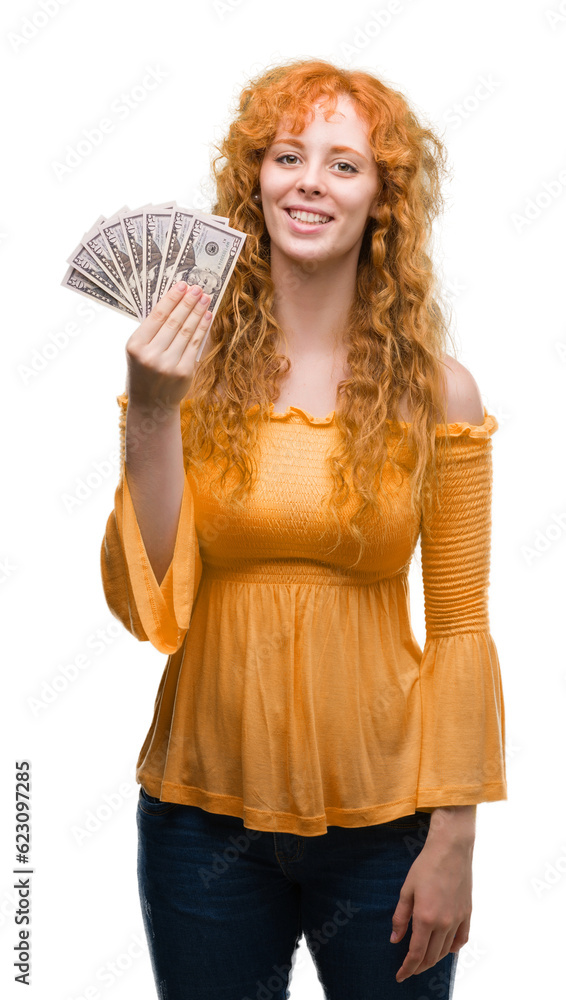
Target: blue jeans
{"x":224,"y":907}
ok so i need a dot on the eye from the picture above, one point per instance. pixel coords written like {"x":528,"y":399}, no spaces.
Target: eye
{"x":342,"y":163}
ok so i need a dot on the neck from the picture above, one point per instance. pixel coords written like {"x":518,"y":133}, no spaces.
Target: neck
{"x":312,"y":302}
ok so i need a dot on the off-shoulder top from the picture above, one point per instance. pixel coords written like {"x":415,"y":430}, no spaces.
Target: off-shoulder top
{"x":295,"y":694}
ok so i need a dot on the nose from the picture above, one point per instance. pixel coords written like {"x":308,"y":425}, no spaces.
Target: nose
{"x":309,"y":187}
{"x":310,"y":182}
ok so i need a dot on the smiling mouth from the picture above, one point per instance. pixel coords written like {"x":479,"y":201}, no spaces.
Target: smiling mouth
{"x":309,"y":218}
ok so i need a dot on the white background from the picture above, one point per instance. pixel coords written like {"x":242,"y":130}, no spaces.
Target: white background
{"x":490,"y":76}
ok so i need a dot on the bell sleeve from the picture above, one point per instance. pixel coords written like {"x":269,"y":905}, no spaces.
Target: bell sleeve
{"x":463,"y":713}
{"x":158,"y":613}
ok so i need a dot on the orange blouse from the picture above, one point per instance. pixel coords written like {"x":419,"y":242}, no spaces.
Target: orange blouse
{"x":295,"y":694}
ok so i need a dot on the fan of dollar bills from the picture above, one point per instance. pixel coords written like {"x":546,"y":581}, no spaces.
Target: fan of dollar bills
{"x":130,"y":260}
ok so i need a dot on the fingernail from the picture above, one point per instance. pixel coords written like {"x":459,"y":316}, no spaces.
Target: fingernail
{"x":195,"y":290}
{"x":181,"y":285}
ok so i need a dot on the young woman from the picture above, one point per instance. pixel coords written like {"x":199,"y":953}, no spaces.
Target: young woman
{"x":309,"y":768}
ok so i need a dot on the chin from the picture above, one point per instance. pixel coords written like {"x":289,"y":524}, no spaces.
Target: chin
{"x":303,"y":250}
{"x":307,"y":259}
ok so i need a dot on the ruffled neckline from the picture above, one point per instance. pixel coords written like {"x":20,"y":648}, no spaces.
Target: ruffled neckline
{"x":294,"y":409}
{"x":458,"y":428}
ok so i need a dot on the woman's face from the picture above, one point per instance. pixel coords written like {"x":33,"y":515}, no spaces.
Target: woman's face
{"x":306,"y":171}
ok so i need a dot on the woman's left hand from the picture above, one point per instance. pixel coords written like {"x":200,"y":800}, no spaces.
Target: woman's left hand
{"x":437,"y":893}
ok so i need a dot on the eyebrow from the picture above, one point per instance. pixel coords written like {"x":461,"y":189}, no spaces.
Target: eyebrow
{"x":289,"y":140}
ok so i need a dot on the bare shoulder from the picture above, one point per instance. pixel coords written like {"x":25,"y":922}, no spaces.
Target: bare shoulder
{"x":463,"y":398}
{"x":462,"y":395}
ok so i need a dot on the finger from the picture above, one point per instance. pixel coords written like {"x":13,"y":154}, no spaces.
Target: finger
{"x":191,"y":332}
{"x":435,"y":950}
{"x":447,"y":945}
{"x":462,"y":935}
{"x":166,"y":335}
{"x":418,"y":947}
{"x":201,"y":332}
{"x":401,"y":917}
{"x":399,"y":931}
{"x":438,"y":946}
{"x":160,"y":312}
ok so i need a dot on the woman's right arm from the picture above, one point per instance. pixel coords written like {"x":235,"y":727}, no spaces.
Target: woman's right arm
{"x":150,"y":559}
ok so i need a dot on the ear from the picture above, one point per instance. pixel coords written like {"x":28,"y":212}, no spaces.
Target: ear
{"x":373,"y":209}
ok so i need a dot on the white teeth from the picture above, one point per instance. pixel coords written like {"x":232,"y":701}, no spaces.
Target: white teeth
{"x":308,"y":216}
